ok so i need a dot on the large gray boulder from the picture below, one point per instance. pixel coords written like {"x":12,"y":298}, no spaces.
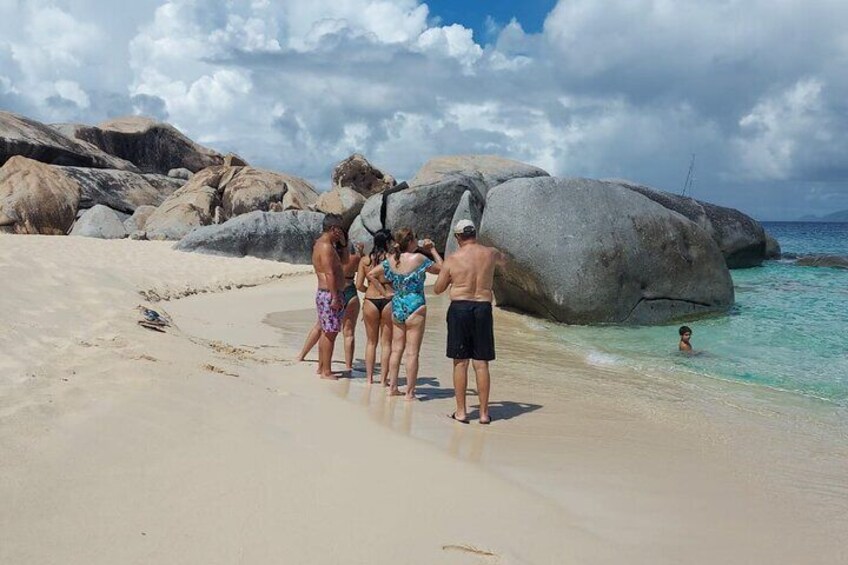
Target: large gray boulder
{"x":279,"y":236}
{"x":742,"y":239}
{"x":101,"y":222}
{"x":427,"y":210}
{"x":358,"y":174}
{"x":219,"y":193}
{"x":152,"y":146}
{"x":120,"y":190}
{"x":483,"y":172}
{"x":36,"y":198}
{"x":470,"y":208}
{"x":31,"y":139}
{"x":587,"y":252}
{"x":357,"y":233}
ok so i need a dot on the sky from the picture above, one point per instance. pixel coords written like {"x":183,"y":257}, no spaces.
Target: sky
{"x":755,"y":89}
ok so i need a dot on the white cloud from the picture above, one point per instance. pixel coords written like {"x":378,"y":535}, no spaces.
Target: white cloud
{"x":453,"y":41}
{"x":621,"y":88}
{"x":780,"y":129}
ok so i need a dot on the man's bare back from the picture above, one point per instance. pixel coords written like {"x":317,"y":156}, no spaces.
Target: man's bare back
{"x":470,"y":272}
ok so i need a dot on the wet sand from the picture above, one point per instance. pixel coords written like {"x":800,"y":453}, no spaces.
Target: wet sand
{"x":667,"y":466}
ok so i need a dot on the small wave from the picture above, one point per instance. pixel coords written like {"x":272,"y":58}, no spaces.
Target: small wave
{"x":599,"y":359}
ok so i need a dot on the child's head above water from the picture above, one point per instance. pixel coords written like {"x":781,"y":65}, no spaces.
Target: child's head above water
{"x":685,"y":333}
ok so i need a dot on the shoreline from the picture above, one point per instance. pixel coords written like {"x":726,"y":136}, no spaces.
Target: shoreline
{"x":719,"y":436}
{"x":208,"y":444}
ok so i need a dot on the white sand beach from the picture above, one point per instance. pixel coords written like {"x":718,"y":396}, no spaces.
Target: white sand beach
{"x":208,"y":444}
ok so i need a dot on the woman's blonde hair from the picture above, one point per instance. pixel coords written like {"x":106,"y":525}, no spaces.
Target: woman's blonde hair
{"x":403,"y":237}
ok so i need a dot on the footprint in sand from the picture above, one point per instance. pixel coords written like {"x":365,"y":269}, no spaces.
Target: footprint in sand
{"x":485,"y":556}
{"x":220,"y":371}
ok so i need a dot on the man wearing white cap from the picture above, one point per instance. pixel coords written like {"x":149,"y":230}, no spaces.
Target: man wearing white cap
{"x":469,"y":273}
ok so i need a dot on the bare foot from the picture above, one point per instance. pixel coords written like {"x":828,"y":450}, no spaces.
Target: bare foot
{"x":485,"y":419}
{"x":330,"y":377}
{"x":410,"y":397}
{"x":369,"y":380}
{"x":394,"y":392}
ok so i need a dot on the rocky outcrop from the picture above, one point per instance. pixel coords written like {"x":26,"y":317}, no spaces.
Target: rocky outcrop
{"x":429,"y":202}
{"x":483,"y":172}
{"x":120,"y":190}
{"x":772,"y":247}
{"x":247,"y":189}
{"x":219,"y":193}
{"x":357,"y":173}
{"x":138,"y":220}
{"x":153,"y":147}
{"x":36,"y":198}
{"x":39,"y":142}
{"x":836,"y":261}
{"x":233,"y":160}
{"x":345,"y":202}
{"x":469,"y":208}
{"x":587,"y":252}
{"x":279,"y":236}
{"x":742,"y":239}
{"x":101,"y":222}
{"x":190,"y":207}
{"x":427,"y":210}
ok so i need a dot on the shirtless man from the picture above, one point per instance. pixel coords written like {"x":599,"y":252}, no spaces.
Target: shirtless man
{"x":469,"y":273}
{"x":328,"y":300}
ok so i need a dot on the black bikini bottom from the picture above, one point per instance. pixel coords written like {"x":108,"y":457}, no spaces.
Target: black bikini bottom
{"x":380,"y":303}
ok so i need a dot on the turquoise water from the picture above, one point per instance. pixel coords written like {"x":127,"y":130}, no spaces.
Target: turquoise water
{"x":788,"y":329}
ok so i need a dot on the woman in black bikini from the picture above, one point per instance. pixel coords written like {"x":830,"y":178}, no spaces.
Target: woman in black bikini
{"x":377,"y":311}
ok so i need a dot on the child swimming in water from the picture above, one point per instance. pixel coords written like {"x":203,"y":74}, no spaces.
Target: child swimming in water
{"x":685,"y":335}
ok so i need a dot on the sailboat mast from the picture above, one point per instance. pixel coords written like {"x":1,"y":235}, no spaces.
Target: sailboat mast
{"x":690,"y":178}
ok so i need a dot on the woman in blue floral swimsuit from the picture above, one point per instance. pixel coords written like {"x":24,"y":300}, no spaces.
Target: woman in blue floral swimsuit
{"x":406,"y":270}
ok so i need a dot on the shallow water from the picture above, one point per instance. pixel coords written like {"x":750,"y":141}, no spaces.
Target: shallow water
{"x":786,"y":331}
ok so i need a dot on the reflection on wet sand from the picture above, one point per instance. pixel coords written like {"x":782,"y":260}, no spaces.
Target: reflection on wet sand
{"x":611,"y":444}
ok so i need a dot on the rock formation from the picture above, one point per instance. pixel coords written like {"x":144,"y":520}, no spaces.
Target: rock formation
{"x":585,"y":252}
{"x":101,"y":222}
{"x":153,"y":147}
{"x":138,"y":220}
{"x":836,"y":261}
{"x":483,"y":172}
{"x":357,"y":173}
{"x":279,"y":236}
{"x":345,"y":202}
{"x":39,"y":142}
{"x":236,"y":190}
{"x":741,"y":239}
{"x":36,"y":198}
{"x":469,"y":208}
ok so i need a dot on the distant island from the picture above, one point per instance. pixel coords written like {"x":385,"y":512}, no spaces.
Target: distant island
{"x":841,"y":216}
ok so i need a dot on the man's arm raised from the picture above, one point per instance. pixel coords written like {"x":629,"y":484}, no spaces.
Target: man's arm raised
{"x":444,"y":280}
